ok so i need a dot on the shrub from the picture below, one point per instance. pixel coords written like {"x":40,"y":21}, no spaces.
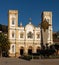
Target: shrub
{"x":27,"y":57}
{"x":35,"y":57}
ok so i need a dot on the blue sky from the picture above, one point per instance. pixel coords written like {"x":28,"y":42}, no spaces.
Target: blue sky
{"x":30,"y":8}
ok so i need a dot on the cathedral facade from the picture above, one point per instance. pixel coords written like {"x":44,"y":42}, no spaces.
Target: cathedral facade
{"x":26,"y":40}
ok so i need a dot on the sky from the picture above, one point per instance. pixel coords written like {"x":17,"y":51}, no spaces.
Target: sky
{"x":30,"y":9}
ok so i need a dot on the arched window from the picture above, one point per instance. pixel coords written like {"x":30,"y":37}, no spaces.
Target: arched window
{"x":38,"y":49}
{"x":13,"y":48}
{"x":13,"y":21}
{"x":30,"y":49}
{"x":21,"y":35}
{"x":21,"y":50}
{"x":13,"y":34}
{"x":30,"y":35}
{"x":38,"y":35}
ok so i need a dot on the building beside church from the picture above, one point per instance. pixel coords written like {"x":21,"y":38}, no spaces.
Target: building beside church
{"x":26,"y":39}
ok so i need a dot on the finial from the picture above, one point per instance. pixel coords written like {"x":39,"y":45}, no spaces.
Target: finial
{"x":20,"y":24}
{"x":30,"y":20}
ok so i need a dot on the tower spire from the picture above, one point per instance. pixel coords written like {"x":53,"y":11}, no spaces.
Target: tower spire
{"x":30,"y":20}
{"x":20,"y":24}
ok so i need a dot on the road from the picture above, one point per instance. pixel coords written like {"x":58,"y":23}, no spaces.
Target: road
{"x":17,"y":61}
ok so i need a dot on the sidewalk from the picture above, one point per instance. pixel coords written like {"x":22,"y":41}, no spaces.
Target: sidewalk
{"x":17,"y":61}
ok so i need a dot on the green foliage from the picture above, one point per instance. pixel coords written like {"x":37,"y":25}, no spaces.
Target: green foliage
{"x":4,"y":43}
{"x":27,"y":57}
{"x":48,"y":51}
{"x":0,"y":27}
{"x":3,"y":28}
{"x":35,"y":57}
{"x":54,"y":36}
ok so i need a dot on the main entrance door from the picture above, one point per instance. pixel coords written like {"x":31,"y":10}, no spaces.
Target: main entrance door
{"x":30,"y":50}
{"x":38,"y":49}
{"x":21,"y":51}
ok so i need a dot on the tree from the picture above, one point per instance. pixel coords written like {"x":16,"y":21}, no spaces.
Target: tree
{"x":4,"y":44}
{"x":54,"y":36}
{"x":0,"y":27}
{"x":57,"y":34}
{"x":56,"y":47}
{"x":4,"y":28}
{"x":47,"y":51}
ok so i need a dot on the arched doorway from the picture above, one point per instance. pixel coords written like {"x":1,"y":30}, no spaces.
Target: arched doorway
{"x":21,"y":50}
{"x":38,"y":49}
{"x":30,"y":50}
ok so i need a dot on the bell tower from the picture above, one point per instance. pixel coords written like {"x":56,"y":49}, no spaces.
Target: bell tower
{"x":13,"y":18}
{"x":12,"y":22}
{"x":46,"y":15}
{"x":12,"y":25}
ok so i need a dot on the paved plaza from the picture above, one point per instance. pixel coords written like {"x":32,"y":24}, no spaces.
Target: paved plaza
{"x":17,"y":61}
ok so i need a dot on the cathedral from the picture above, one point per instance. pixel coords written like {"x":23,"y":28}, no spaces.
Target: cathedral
{"x":27,"y":39}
